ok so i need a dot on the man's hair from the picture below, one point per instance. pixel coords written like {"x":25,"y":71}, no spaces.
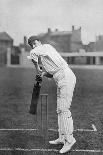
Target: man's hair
{"x":32,"y":39}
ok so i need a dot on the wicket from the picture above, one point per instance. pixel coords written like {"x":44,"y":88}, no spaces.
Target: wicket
{"x":43,"y":104}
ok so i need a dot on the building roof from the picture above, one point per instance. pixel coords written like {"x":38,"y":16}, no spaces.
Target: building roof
{"x":41,"y":35}
{"x":55,"y":33}
{"x":60,"y":33}
{"x":5,"y":37}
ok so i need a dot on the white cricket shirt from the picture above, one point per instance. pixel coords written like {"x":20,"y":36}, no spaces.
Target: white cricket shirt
{"x":50,"y":58}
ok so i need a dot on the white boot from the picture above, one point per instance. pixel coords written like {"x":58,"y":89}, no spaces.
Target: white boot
{"x":67,"y":146}
{"x":57,"y":141}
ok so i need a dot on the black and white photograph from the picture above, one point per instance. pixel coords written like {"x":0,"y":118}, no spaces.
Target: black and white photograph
{"x":51,"y":77}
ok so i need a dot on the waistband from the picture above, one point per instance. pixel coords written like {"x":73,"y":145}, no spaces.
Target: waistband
{"x":62,"y":75}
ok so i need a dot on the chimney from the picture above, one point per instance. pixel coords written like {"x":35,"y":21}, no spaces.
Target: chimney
{"x":73,"y":28}
{"x":80,"y":28}
{"x":56,"y":30}
{"x":25,"y":40}
{"x":99,"y":37}
{"x":49,"y":30}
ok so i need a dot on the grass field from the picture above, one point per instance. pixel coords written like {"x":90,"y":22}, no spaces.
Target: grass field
{"x":87,"y":109}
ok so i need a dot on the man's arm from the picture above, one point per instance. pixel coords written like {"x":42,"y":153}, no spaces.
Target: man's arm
{"x":46,"y":74}
{"x":39,"y":71}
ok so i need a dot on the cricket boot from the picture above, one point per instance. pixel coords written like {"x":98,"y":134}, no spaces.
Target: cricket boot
{"x":67,"y":146}
{"x":57,"y":141}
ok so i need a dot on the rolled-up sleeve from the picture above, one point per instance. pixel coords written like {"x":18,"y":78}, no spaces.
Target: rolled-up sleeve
{"x":34,"y":55}
{"x":38,"y":51}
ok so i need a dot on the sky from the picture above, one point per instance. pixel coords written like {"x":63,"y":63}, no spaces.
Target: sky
{"x":21,"y":18}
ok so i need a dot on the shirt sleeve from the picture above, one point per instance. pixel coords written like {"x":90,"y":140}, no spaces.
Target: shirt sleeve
{"x":38,"y":51}
{"x":34,"y":55}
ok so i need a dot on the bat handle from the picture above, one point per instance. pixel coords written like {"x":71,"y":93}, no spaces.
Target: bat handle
{"x":41,"y":67}
{"x":38,"y":84}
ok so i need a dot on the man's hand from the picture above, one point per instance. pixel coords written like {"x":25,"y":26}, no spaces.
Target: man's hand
{"x":39,"y":70}
{"x":38,"y":78}
{"x":46,"y":74}
{"x":43,"y":74}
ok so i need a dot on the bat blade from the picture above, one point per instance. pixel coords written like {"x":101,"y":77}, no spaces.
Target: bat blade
{"x":35,"y":98}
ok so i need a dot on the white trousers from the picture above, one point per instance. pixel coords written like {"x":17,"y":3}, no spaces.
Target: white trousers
{"x":65,"y":88}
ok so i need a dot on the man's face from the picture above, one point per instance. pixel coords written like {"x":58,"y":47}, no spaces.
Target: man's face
{"x":36,"y":43}
{"x":33,"y":44}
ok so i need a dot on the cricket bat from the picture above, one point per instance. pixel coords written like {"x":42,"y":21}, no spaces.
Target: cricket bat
{"x":35,"y":95}
{"x":35,"y":98}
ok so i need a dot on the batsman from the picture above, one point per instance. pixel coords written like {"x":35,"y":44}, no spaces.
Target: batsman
{"x":56,"y":67}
